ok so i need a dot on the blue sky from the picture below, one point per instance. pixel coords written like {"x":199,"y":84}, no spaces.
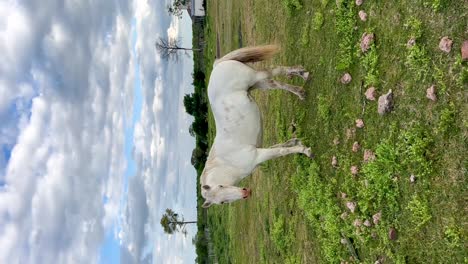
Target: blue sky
{"x":93,"y":135}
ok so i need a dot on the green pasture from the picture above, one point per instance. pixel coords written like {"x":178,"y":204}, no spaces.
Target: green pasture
{"x":298,"y":211}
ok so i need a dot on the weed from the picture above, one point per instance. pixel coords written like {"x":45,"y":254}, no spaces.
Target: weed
{"x":278,"y":231}
{"x":414,"y":26}
{"x":323,"y":107}
{"x":414,"y":147}
{"x":446,"y":119}
{"x":318,"y":20}
{"x":439,"y":77}
{"x":369,"y":62}
{"x":344,"y":26}
{"x":292,"y":6}
{"x":324,"y":3}
{"x":378,"y":190}
{"x":305,"y":35}
{"x":417,"y":61}
{"x":452,"y":236}
{"x":420,"y":213}
{"x":436,"y":5}
{"x":316,"y":198}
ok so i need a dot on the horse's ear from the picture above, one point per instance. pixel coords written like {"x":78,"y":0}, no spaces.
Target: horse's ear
{"x":206,"y":204}
{"x":206,"y":187}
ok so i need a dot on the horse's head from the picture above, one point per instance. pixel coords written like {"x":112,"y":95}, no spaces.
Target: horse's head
{"x":221,"y":194}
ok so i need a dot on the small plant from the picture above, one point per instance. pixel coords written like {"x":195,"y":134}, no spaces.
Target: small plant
{"x":323,"y":108}
{"x":452,"y":236}
{"x":305,"y":35}
{"x":369,"y":62}
{"x":345,"y":21}
{"x":420,"y":213}
{"x":318,"y":20}
{"x":417,"y":61}
{"x":414,"y":146}
{"x":439,"y":77}
{"x":320,"y":207}
{"x":292,"y":6}
{"x":278,"y":235}
{"x":414,"y":26}
{"x":436,"y":5}
{"x":324,"y":3}
{"x":447,"y":119}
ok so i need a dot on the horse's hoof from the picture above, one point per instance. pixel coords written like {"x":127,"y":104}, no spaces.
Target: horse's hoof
{"x":301,"y":94}
{"x":305,"y":76}
{"x":308,"y":153}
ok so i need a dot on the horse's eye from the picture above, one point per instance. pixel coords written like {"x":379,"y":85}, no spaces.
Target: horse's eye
{"x":222,"y":202}
{"x":220,"y":186}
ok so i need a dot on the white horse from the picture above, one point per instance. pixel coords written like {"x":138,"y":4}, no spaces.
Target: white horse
{"x":236,"y":149}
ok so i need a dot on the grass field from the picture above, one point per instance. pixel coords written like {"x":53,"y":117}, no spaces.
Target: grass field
{"x":298,"y":212}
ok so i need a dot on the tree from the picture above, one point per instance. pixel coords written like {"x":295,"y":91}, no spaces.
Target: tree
{"x":171,"y":222}
{"x":176,"y":8}
{"x":170,"y":48}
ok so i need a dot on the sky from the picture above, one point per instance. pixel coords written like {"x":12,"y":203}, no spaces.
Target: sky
{"x":94,"y":141}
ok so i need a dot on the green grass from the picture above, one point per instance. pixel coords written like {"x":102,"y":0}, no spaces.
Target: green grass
{"x":297,"y":213}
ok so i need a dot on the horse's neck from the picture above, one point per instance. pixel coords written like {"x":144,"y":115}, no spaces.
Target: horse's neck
{"x":218,"y":171}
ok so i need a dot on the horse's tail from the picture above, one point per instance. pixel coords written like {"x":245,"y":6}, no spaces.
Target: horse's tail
{"x":250,"y":54}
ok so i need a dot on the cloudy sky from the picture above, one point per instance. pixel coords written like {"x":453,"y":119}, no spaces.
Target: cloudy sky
{"x":94,"y":141}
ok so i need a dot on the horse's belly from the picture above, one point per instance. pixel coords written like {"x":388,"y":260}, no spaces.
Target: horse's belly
{"x":238,"y":119}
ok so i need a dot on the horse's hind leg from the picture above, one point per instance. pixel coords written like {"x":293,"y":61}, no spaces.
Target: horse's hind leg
{"x":273,"y":84}
{"x":264,"y":154}
{"x":290,"y":72}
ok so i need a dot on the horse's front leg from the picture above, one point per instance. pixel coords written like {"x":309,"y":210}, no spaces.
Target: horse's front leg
{"x":264,"y":154}
{"x":290,"y":143}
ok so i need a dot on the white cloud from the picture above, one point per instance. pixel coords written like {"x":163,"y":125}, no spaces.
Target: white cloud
{"x":67,"y":82}
{"x":67,"y":142}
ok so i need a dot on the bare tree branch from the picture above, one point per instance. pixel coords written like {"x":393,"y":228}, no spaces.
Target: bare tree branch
{"x":170,"y":48}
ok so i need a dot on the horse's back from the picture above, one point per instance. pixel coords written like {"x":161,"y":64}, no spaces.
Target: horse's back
{"x":236,"y":115}
{"x":229,"y":76}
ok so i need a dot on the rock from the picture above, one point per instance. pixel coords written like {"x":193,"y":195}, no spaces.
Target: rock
{"x":410,"y":42}
{"x":350,"y":133}
{"x":412,"y":178}
{"x":344,"y":215}
{"x":445,"y":44}
{"x":346,"y":78}
{"x":357,"y":223}
{"x":354,"y":170}
{"x":343,"y":195}
{"x":385,"y":103}
{"x":376,"y":218}
{"x":359,"y":123}
{"x":370,"y":94}
{"x":336,"y":141}
{"x":369,"y":155}
{"x":362,"y":15}
{"x":334,"y":162}
{"x":392,"y":234}
{"x":431,"y":93}
{"x":464,"y":50}
{"x":367,"y":223}
{"x":359,"y":2}
{"x":351,"y":206}
{"x":366,"y":40}
{"x":356,"y":146}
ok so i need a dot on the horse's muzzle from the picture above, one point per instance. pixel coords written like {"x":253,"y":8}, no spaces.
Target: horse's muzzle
{"x":246,"y":192}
